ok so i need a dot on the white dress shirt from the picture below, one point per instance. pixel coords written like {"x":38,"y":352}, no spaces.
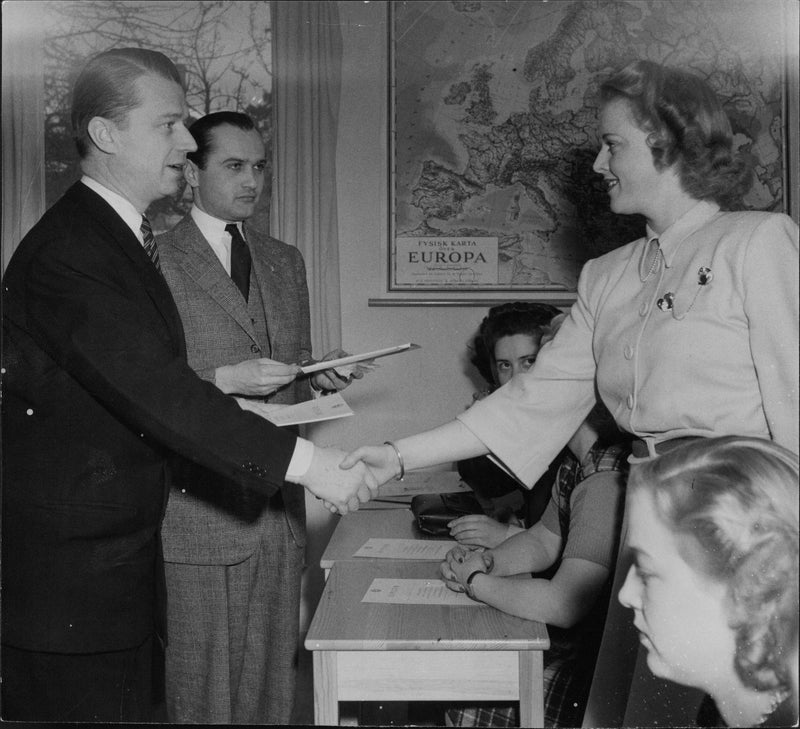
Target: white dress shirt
{"x":213,"y":230}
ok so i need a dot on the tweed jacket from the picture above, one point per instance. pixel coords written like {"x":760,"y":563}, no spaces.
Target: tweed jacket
{"x":208,"y":522}
{"x":98,"y":402}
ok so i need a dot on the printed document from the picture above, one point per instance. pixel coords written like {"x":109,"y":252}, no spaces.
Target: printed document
{"x":418,"y":549}
{"x":311,"y":411}
{"x":397,"y":591}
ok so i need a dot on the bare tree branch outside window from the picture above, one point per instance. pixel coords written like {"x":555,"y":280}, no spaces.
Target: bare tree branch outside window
{"x":223,"y":48}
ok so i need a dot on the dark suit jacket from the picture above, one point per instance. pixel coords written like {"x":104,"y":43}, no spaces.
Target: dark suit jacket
{"x":208,"y":522}
{"x":98,"y":398}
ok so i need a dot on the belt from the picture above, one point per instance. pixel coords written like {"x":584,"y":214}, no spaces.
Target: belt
{"x":642,"y":449}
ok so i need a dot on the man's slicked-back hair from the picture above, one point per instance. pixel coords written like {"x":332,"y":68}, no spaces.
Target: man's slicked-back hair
{"x":202,"y":128}
{"x":106,"y":87}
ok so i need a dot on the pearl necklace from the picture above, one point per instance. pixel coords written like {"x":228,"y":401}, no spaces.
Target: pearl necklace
{"x":654,"y":265}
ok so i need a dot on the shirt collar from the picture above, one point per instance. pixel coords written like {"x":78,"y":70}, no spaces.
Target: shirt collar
{"x":122,"y":207}
{"x":213,"y":229}
{"x":671,"y":239}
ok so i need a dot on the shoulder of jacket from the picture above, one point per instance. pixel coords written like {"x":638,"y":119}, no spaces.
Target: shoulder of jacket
{"x":273,"y":245}
{"x":180,"y":229}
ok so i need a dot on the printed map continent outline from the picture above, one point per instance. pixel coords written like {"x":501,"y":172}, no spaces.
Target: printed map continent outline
{"x":495,"y":106}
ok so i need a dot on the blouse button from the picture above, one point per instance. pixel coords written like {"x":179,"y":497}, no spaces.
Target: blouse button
{"x":255,"y":349}
{"x":643,"y":309}
{"x":628,"y":351}
{"x":629,"y":401}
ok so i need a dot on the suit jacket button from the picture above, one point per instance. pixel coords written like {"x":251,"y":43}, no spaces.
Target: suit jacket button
{"x":255,"y":349}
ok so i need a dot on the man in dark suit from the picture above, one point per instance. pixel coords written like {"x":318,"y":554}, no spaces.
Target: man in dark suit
{"x":98,"y":402}
{"x":233,"y":565}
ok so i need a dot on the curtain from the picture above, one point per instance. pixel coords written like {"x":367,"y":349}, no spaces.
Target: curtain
{"x":23,"y":123}
{"x":307,"y":48}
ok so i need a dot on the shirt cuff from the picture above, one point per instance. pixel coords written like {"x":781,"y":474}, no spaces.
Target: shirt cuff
{"x":301,"y":459}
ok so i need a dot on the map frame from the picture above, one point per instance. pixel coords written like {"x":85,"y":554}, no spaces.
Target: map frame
{"x":399,"y":287}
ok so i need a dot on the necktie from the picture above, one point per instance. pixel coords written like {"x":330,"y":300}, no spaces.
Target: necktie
{"x":240,"y":260}
{"x":150,"y":246}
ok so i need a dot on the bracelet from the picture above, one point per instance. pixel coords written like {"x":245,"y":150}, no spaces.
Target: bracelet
{"x":468,"y":583}
{"x":399,"y":458}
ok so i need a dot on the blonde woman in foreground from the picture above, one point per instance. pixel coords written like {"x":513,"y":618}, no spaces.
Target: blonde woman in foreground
{"x":714,"y":583}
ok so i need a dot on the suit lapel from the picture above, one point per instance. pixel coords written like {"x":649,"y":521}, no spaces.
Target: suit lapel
{"x":155,"y":285}
{"x":202,"y":265}
{"x":270,"y":286}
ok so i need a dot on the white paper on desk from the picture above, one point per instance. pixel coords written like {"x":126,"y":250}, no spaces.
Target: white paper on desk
{"x":353,"y":358}
{"x":397,"y":591}
{"x":311,"y":411}
{"x":418,"y":549}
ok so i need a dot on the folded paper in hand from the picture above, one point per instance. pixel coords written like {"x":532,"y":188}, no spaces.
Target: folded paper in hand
{"x":311,"y":411}
{"x":353,"y":358}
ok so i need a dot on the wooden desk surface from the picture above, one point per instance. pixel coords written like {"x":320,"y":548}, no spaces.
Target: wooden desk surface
{"x":354,"y":529}
{"x":343,"y":622}
{"x":386,"y":520}
{"x":422,"y":482}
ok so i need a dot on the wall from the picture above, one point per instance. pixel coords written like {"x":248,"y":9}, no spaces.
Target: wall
{"x":414,"y":390}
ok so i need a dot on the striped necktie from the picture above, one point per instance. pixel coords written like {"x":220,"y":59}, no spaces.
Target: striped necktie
{"x":150,"y":247}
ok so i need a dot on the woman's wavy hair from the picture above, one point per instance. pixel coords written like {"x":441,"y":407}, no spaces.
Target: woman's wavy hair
{"x":688,"y":127}
{"x":504,"y":320}
{"x":733,"y":501}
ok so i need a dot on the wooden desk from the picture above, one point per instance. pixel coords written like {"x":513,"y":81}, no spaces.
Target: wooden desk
{"x":423,"y":482}
{"x":354,"y":529}
{"x":379,"y":652}
{"x":386,"y":520}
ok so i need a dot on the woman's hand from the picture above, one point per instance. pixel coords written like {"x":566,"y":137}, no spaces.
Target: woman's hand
{"x":381,"y":460}
{"x":460,"y":563}
{"x":479,"y":531}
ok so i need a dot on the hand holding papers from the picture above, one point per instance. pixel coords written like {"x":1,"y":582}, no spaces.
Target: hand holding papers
{"x":350,"y":359}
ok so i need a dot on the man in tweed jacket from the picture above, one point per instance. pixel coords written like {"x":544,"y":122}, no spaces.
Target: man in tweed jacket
{"x":234,"y":559}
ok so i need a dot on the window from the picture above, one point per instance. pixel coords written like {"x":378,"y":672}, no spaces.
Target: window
{"x":224,"y":50}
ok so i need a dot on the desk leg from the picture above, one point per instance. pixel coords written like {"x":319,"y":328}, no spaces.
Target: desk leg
{"x":531,"y":689}
{"x":326,"y":692}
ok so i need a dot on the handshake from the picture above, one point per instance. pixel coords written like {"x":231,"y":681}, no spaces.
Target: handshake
{"x":344,"y":481}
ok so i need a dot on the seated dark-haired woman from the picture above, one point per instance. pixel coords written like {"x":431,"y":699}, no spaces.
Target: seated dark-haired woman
{"x":507,"y":343}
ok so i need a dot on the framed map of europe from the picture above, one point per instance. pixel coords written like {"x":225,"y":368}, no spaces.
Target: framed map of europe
{"x":492,"y":127}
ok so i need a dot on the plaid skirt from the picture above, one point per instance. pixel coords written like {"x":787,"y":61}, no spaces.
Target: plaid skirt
{"x":566,"y":689}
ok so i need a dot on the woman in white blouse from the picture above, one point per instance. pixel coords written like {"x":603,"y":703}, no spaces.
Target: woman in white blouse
{"x":690,"y":331}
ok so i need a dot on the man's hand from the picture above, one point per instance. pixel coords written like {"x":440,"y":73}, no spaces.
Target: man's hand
{"x":331,"y":380}
{"x":254,"y":376}
{"x":382,"y":461}
{"x":478,"y":530}
{"x":342,"y":490}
